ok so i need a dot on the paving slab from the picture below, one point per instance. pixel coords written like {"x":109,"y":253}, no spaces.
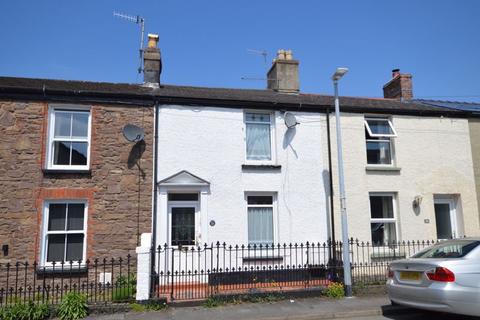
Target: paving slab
{"x":294,"y":309}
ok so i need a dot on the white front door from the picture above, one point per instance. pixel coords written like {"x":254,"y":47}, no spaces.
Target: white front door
{"x":445,"y":219}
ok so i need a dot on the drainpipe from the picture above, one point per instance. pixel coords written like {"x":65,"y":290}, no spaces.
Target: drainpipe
{"x":155,"y":191}
{"x":332,"y":212}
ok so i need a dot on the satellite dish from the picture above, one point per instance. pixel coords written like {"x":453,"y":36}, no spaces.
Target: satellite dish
{"x":290,"y":120}
{"x":133,"y":133}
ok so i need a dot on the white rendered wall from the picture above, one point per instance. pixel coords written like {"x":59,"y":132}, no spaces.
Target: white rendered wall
{"x":434,"y":156}
{"x":209,"y":142}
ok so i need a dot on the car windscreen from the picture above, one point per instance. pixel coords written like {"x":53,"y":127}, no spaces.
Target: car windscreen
{"x":448,"y":249}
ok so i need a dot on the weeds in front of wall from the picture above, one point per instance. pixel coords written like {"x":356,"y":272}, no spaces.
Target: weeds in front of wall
{"x":213,"y":302}
{"x":149,"y":306}
{"x":335,"y":290}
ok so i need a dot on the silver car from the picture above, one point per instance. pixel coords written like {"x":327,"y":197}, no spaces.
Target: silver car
{"x":444,"y":277}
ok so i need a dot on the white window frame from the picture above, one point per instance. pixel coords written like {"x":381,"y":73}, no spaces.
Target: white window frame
{"x":51,"y":135}
{"x":380,"y":135}
{"x":387,"y":138}
{"x":274,"y":211}
{"x":272,"y":137}
{"x":45,"y":232}
{"x":385,"y":220}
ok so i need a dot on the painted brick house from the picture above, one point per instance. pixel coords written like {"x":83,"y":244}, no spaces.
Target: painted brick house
{"x":225,"y":164}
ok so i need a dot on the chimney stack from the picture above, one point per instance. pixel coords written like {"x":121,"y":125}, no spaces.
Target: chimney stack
{"x":152,"y":61}
{"x":283,"y":75}
{"x":399,"y":87}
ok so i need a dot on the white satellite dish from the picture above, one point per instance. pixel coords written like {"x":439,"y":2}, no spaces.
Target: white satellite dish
{"x":133,"y":133}
{"x":290,"y":120}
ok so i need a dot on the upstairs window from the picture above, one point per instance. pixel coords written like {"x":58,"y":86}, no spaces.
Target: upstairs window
{"x":379,"y":133}
{"x":258,"y":136}
{"x":68,"y":139}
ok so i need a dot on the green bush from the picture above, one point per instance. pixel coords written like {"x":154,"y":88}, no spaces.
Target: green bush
{"x":73,"y":306}
{"x":24,"y":311}
{"x":124,"y":289}
{"x":335,"y":290}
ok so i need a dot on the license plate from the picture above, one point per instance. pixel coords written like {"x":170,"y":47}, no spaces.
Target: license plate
{"x":410,"y":275}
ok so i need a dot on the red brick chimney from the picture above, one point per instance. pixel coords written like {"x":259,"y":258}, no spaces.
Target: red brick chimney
{"x":399,"y":87}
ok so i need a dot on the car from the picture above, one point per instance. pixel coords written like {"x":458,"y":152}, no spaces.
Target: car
{"x":444,"y":277}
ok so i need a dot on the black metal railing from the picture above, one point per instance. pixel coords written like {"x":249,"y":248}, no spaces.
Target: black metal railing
{"x":100,"y":280}
{"x":198,"y":272}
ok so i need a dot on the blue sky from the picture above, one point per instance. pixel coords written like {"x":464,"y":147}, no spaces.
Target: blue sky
{"x":204,"y":43}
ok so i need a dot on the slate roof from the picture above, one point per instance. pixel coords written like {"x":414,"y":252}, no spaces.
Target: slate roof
{"x":453,"y":105}
{"x":66,"y":90}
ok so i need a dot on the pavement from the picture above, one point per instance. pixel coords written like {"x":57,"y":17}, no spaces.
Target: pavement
{"x":360,"y":308}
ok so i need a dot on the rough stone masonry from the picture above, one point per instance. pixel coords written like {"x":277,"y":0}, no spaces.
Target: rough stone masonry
{"x":119,"y":192}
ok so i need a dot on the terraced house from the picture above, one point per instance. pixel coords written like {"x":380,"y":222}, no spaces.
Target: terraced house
{"x":228,"y":165}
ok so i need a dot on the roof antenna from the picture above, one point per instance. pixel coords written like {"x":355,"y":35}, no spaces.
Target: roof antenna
{"x":262,"y":53}
{"x":138,"y":20}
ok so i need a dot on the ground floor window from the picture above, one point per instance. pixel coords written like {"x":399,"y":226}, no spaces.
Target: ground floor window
{"x":260,"y":219}
{"x":382,"y":218}
{"x":64,"y":231}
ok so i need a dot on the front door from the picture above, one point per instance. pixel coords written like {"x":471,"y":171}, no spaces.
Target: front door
{"x":445,"y":217}
{"x":183,"y":224}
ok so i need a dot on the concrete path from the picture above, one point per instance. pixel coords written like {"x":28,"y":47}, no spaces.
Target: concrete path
{"x":296,"y":309}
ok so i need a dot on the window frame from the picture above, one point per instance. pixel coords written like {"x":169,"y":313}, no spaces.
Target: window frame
{"x":380,"y":135}
{"x":274,"y":213}
{"x":272,"y":137}
{"x":45,"y":232}
{"x":384,"y":220}
{"x":378,"y":139}
{"x":52,"y":109}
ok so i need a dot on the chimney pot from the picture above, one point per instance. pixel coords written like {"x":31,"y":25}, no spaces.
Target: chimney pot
{"x":152,"y":40}
{"x":395,"y":73}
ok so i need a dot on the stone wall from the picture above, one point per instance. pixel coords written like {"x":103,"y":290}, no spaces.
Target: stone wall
{"x":119,"y":192}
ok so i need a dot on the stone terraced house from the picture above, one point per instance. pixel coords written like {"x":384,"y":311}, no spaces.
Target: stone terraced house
{"x":222,"y":165}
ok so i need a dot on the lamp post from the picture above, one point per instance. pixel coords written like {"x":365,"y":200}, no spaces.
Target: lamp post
{"x":347,"y":277}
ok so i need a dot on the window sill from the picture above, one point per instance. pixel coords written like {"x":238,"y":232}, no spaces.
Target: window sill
{"x":67,"y":171}
{"x":45,"y":270}
{"x":261,"y":167}
{"x":382,"y":168}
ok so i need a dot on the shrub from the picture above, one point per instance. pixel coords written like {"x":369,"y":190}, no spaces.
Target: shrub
{"x":24,"y":311}
{"x":335,"y":290}
{"x":73,"y":307}
{"x":124,"y":288}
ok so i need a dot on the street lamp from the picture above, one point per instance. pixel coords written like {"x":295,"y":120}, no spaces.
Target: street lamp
{"x":347,"y":277}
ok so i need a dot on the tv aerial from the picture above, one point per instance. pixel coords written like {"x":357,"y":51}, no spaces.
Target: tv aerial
{"x":262,"y":53}
{"x":290,"y":120}
{"x":133,"y":133}
{"x":140,"y":21}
